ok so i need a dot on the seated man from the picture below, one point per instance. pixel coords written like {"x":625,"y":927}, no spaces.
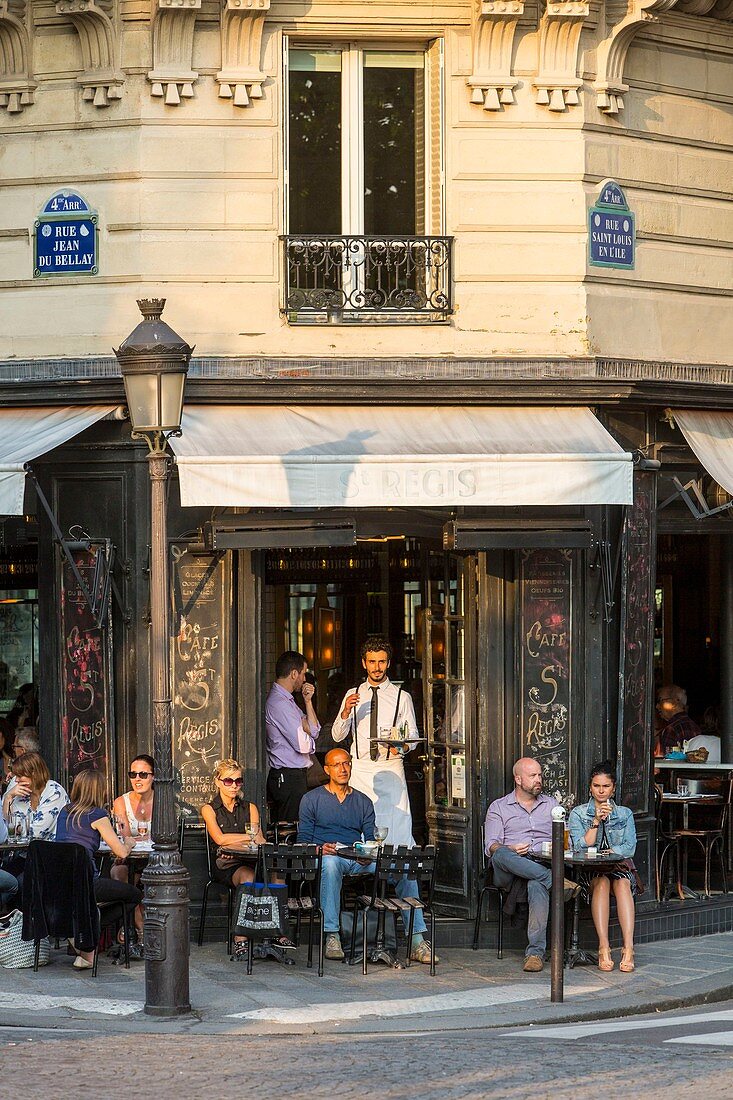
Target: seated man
{"x":334,"y":815}
{"x":516,"y":825}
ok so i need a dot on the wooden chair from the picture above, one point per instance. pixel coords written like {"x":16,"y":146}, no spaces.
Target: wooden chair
{"x":710,"y":839}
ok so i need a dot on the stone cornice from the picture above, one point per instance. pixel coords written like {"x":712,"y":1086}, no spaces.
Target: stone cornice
{"x":17,"y":86}
{"x":102,"y":80}
{"x":491,"y":81}
{"x":558,"y":82}
{"x":241,"y":77}
{"x":172,"y":77}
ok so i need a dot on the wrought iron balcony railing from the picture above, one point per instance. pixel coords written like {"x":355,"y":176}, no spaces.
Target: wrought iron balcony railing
{"x":358,"y":278}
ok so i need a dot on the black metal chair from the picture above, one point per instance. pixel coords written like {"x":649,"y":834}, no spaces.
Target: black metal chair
{"x":230,"y":889}
{"x":299,"y":865}
{"x":667,"y":843}
{"x":489,"y":887}
{"x":392,"y":864}
{"x":58,"y":900}
{"x":710,"y":839}
{"x":282,"y":832}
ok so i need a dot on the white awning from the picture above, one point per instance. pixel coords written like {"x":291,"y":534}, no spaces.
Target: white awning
{"x":380,"y":456}
{"x":27,"y":433}
{"x":710,"y":435}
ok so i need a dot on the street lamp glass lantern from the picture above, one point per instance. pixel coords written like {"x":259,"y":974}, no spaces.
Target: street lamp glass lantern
{"x":154,"y":363}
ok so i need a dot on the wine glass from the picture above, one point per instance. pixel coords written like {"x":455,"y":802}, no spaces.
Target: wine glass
{"x":380,"y":833}
{"x":250,"y":831}
{"x":142,"y":830}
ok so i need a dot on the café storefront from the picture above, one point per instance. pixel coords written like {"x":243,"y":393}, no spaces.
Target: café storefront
{"x":515,"y":579}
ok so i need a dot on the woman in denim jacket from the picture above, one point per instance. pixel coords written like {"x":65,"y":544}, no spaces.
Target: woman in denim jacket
{"x":603,"y":825}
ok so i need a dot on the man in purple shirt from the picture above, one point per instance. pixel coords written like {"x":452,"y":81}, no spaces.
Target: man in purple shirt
{"x":515,"y":825}
{"x":291,"y":736}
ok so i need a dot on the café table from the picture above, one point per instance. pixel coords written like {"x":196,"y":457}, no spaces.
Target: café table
{"x":575,"y":955}
{"x":670,"y":798}
{"x":14,"y":845}
{"x":137,"y":857}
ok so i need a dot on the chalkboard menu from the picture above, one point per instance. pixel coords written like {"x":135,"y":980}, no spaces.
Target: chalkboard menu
{"x":200,"y":671}
{"x":636,"y":686}
{"x":545,"y":609}
{"x":86,"y":668}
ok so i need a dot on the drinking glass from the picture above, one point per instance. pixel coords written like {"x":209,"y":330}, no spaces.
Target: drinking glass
{"x":380,"y":833}
{"x":250,"y":831}
{"x":142,"y":829}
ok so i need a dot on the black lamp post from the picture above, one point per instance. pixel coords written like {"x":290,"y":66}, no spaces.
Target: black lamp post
{"x":154,"y":362}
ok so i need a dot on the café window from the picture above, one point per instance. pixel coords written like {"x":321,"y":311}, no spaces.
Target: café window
{"x":364,"y":181}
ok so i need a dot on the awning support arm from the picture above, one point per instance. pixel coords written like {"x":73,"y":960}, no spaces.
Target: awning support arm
{"x":698,"y":506}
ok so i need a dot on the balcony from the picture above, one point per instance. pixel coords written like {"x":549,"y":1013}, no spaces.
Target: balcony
{"x":394,"y":280}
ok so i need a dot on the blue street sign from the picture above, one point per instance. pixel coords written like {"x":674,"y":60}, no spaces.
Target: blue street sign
{"x":65,"y":237}
{"x":611,"y":229}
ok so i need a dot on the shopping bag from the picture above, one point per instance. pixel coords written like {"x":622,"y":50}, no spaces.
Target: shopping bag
{"x":15,"y":952}
{"x":260,"y":910}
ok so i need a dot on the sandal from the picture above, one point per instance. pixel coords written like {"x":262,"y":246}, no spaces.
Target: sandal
{"x":627,"y":964}
{"x":605,"y":959}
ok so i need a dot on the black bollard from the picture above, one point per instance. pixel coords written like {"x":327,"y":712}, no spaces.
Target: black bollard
{"x":557,"y":905}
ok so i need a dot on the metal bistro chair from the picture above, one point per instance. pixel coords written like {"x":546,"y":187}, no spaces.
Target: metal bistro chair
{"x":282,"y":832}
{"x":231,"y":890}
{"x":300,"y":866}
{"x":710,"y":839}
{"x":489,"y":887}
{"x":668,"y":844}
{"x":393,"y":863}
{"x":58,"y":899}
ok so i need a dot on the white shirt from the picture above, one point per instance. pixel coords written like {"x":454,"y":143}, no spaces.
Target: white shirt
{"x":387,"y":693}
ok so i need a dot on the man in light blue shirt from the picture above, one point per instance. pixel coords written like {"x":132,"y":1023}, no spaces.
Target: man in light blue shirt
{"x":291,"y":736}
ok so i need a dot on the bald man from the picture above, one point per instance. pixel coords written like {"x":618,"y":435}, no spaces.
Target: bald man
{"x":515,"y":826}
{"x":336,"y":816}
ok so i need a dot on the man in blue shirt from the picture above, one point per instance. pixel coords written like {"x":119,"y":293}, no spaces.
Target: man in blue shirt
{"x":335,"y":816}
{"x":291,"y":736}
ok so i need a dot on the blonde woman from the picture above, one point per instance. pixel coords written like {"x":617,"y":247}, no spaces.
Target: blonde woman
{"x":229,"y":817}
{"x":85,"y":822}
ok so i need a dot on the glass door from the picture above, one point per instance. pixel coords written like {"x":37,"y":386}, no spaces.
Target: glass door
{"x":448,"y":638}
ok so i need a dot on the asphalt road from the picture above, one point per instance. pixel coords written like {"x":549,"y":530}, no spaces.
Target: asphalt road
{"x":681,"y":1054}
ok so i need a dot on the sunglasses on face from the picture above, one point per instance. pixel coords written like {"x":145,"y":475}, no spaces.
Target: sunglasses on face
{"x":139,"y":775}
{"x":229,"y":782}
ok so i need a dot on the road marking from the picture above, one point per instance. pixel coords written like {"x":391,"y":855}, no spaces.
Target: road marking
{"x":485,"y":997}
{"x":584,"y":1031}
{"x":711,"y":1039}
{"x":33,"y":1001}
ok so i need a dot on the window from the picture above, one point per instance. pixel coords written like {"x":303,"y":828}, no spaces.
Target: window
{"x":363,"y":186}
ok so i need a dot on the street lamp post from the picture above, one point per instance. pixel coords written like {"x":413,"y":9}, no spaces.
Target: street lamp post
{"x":154,"y":362}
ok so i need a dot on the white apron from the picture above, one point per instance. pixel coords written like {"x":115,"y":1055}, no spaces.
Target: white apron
{"x":384,"y":782}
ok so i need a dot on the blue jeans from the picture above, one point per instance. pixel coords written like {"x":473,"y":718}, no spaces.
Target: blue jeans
{"x":507,"y":865}
{"x":334,"y":869}
{"x":8,"y":890}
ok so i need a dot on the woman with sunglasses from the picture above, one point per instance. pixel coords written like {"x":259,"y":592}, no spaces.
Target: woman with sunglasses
{"x":133,"y":812}
{"x":134,"y":808}
{"x":228,"y":817}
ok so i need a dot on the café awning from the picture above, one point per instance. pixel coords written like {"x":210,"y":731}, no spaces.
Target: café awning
{"x":379,"y":456}
{"x":710,"y":436}
{"x":29,"y":432}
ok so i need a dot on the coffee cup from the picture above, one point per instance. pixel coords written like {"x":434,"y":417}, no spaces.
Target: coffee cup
{"x":592,"y":853}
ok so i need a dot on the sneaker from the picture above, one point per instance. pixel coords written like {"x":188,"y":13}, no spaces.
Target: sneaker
{"x":421,"y":953}
{"x":334,"y":950}
{"x":533,"y":964}
{"x":284,"y":943}
{"x":571,"y":889}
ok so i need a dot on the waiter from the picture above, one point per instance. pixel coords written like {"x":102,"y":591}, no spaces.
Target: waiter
{"x":369,"y":712}
{"x":291,"y":736}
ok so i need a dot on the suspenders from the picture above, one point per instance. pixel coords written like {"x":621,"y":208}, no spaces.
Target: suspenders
{"x":354,"y":734}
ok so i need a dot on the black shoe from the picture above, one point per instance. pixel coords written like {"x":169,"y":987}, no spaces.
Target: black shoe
{"x":284,"y":943}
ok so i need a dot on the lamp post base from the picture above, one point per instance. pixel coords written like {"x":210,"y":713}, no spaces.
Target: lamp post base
{"x":165,"y":883}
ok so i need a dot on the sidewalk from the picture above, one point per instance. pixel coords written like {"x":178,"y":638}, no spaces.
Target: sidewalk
{"x":471,"y":990}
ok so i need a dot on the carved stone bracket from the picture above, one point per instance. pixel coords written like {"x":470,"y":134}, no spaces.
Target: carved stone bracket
{"x":494,"y":23}
{"x":625,"y":18}
{"x":240,"y":78}
{"x":172,"y":76}
{"x":557,"y":82}
{"x":17,"y":85}
{"x":101,"y":79}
